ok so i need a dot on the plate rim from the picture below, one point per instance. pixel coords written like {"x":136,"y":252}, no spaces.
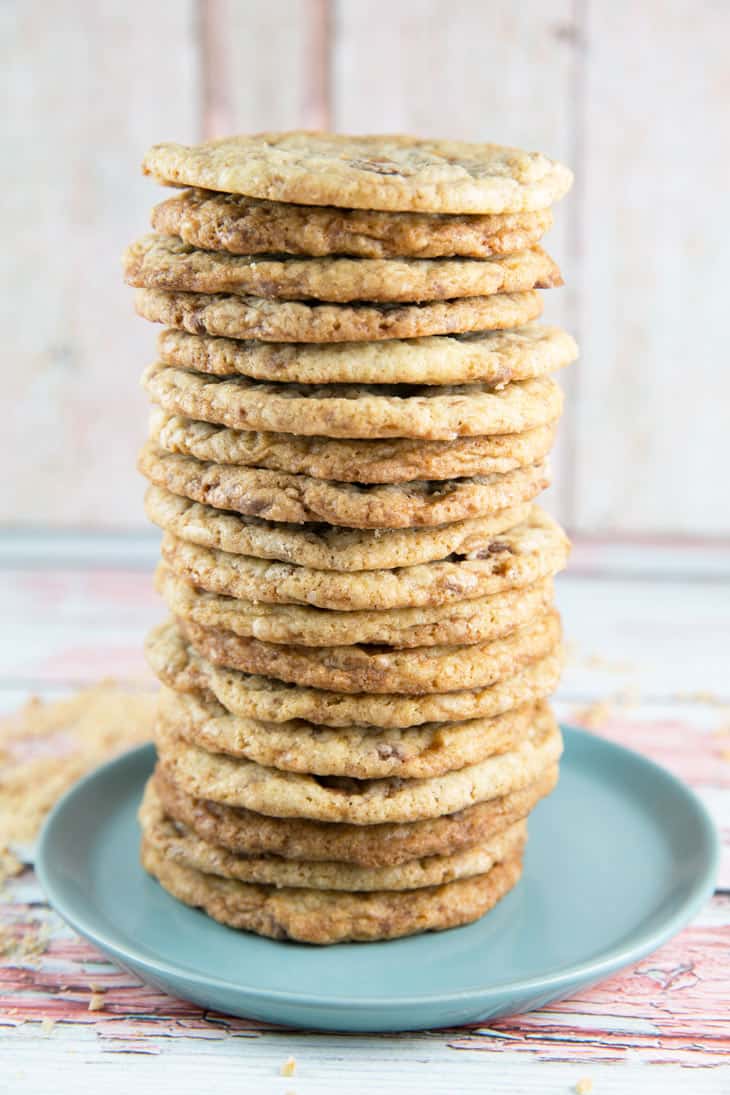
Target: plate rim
{"x":588,"y":972}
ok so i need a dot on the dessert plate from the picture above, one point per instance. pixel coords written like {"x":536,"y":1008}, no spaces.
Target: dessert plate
{"x":620,"y":857}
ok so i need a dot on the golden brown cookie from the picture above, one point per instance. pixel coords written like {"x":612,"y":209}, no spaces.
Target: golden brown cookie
{"x":248,"y":226}
{"x":298,"y":321}
{"x":457,"y":622}
{"x":360,"y":752}
{"x":331,"y":916}
{"x":396,"y":460}
{"x":278,"y":496}
{"x":237,"y":782}
{"x":247,"y":833}
{"x":166,"y":262}
{"x":513,"y":559}
{"x":182,"y":846}
{"x":383,"y":171}
{"x":177,"y":665}
{"x":380,"y":668}
{"x":326,"y":547}
{"x":493,"y":358}
{"x":356,"y":411}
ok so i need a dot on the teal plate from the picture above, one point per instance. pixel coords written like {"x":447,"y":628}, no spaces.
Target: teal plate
{"x":620,"y":857}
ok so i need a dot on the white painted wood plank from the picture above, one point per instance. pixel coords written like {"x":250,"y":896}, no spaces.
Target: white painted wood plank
{"x":69,"y":1060}
{"x":75,"y":626}
{"x":648,"y":639}
{"x":265,"y":65}
{"x":654,"y":391}
{"x":667,"y":560}
{"x":88,"y":87}
{"x":60,"y":549}
{"x":497,"y":72}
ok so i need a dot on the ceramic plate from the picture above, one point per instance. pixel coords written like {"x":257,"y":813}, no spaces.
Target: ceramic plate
{"x":620,"y":857}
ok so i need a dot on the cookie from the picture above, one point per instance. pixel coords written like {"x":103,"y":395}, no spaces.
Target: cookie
{"x":494,"y":358}
{"x":355,"y":751}
{"x":248,"y":226}
{"x":397,"y":460}
{"x":185,"y":848}
{"x":376,"y":667}
{"x":385,"y":171}
{"x":177,"y":665}
{"x":457,"y":622}
{"x":299,"y":499}
{"x":355,"y":411}
{"x":166,"y":262}
{"x":237,"y":782}
{"x":247,"y":833}
{"x":325,"y":547}
{"x":299,"y":321}
{"x":514,"y":559}
{"x":330,"y":916}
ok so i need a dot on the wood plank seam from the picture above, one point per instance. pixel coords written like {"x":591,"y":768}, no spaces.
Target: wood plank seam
{"x":318,"y":104}
{"x":215,"y":105}
{"x":576,"y":34}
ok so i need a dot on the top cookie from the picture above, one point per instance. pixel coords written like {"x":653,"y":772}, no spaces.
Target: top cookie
{"x":388,"y":172}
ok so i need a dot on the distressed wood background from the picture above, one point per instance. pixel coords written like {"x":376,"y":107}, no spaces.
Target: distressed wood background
{"x":634,"y":97}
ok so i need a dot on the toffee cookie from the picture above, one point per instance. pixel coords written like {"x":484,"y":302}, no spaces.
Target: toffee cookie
{"x":380,"y":668}
{"x":326,"y":547}
{"x":385,"y":171}
{"x":360,"y":752}
{"x":187,"y":849}
{"x":250,"y":226}
{"x":331,"y":916}
{"x":177,"y":665}
{"x":300,"y":499}
{"x":493,"y":358}
{"x":166,"y":262}
{"x":248,"y":833}
{"x":513,"y":559}
{"x":356,"y":411}
{"x":237,"y":782}
{"x":398,"y":460}
{"x":298,"y":321}
{"x":457,"y":622}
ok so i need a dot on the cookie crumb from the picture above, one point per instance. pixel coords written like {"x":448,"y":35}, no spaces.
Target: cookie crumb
{"x":96,"y":1001}
{"x":594,"y":715}
{"x":710,"y":698}
{"x":47,"y":1025}
{"x":584,"y":1086}
{"x":289,"y":1067}
{"x":46,"y":747}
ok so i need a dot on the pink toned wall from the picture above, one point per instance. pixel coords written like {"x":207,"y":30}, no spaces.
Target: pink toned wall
{"x":634,"y":97}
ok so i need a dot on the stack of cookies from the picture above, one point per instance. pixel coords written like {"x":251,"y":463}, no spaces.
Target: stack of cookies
{"x":353,"y":412}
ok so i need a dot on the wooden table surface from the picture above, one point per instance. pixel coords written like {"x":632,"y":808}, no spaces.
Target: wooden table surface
{"x":649,"y":636}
